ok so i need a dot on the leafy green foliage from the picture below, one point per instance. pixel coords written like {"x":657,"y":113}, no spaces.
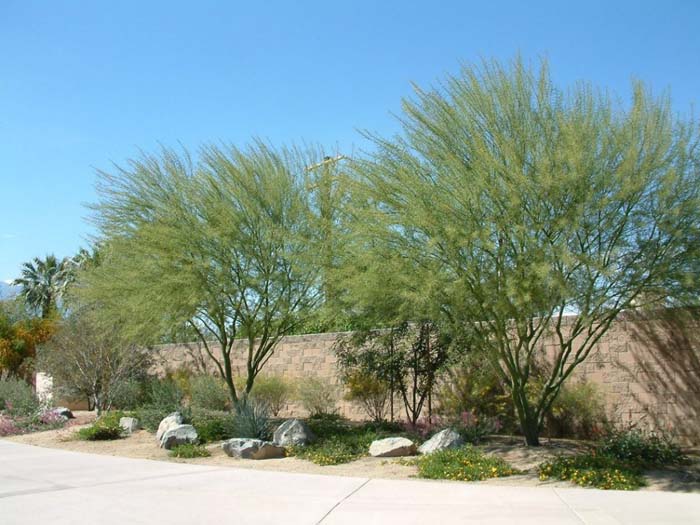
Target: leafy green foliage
{"x":17,"y":398}
{"x":510,"y":202}
{"x":370,"y":392}
{"x":189,"y":451}
{"x":227,"y":246}
{"x":593,"y":470}
{"x":274,"y":391}
{"x":577,"y":412}
{"x":213,"y":425}
{"x":317,"y":396}
{"x":641,"y":449}
{"x":44,"y":283}
{"x":163,"y":397}
{"x":106,"y":428}
{"x":209,"y":392}
{"x":462,"y":464}
{"x":339,"y":441}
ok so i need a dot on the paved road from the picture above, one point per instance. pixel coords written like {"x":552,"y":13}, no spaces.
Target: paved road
{"x":48,"y":486}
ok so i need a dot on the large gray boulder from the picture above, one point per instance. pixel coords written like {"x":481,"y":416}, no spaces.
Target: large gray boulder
{"x":293,"y":432}
{"x":392,"y":447}
{"x":129,"y":424}
{"x":245,"y":448}
{"x":179,"y":435}
{"x":168,"y":423}
{"x":444,"y":439}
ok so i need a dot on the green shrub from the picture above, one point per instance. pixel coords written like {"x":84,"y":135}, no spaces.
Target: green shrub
{"x":129,"y":395}
{"x":370,"y":392}
{"x":274,"y":391}
{"x":188,"y":450}
{"x":317,"y":396}
{"x":327,"y":425}
{"x":593,"y":470}
{"x":209,"y":392}
{"x":642,"y":449}
{"x":577,"y":412}
{"x":213,"y":425}
{"x":106,"y":428}
{"x":474,"y":386}
{"x":338,"y":448}
{"x":164,"y":397}
{"x":462,"y":464}
{"x":251,"y":420}
{"x":17,"y":398}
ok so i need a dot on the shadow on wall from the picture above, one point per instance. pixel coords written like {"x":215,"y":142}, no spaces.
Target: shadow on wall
{"x":666,"y":364}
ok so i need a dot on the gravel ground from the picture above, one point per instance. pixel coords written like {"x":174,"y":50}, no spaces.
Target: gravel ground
{"x":143,"y":445}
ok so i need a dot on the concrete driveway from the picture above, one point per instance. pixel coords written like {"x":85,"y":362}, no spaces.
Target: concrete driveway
{"x":48,"y":486}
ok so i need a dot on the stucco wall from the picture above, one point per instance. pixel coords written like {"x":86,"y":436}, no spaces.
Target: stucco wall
{"x":648,"y":372}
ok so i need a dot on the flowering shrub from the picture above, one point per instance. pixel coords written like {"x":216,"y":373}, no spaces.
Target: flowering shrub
{"x":8,"y":427}
{"x":188,"y":450}
{"x":462,"y":464}
{"x":593,"y":470}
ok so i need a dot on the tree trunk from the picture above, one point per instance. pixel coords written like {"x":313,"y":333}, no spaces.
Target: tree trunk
{"x":531,"y":431}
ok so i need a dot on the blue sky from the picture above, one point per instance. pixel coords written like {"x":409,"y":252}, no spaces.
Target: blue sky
{"x":84,"y":84}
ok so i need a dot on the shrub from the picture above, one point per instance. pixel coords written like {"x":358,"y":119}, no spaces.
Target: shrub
{"x":336,"y":449}
{"x":326,"y":425}
{"x":370,"y":392}
{"x":474,"y":386}
{"x":106,"y":428}
{"x":642,"y":449}
{"x":318,"y":396}
{"x":8,"y":427}
{"x":577,"y":412}
{"x":17,"y":398}
{"x":208,"y":392}
{"x":462,"y":464}
{"x":593,"y":470}
{"x":251,"y":420}
{"x":274,"y":391}
{"x":474,"y":427}
{"x":163,"y":397}
{"x":213,"y":425}
{"x":188,"y":450}
{"x":129,"y":394}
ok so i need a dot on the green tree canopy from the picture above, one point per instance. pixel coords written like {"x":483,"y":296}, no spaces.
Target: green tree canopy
{"x":532,"y":203}
{"x":227,"y":245}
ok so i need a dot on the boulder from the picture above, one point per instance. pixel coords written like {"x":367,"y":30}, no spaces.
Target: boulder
{"x":293,"y":432}
{"x":447,"y":438}
{"x":392,"y":447}
{"x":129,"y":424}
{"x":167,"y":423}
{"x":63,"y":411}
{"x":245,"y":448}
{"x":179,"y":435}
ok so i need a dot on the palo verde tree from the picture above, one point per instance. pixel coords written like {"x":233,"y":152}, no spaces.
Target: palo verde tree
{"x":538,"y":203}
{"x":226,"y":245}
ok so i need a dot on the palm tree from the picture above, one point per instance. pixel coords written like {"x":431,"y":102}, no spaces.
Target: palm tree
{"x":44,"y":281}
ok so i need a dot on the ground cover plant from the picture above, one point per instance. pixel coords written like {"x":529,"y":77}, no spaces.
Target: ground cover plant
{"x":594,"y":470}
{"x":617,"y":462}
{"x":106,"y":428}
{"x":189,"y":450}
{"x":461,"y":464}
{"x":340,"y":441}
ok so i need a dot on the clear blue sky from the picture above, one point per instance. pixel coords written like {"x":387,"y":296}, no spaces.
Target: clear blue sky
{"x":84,"y":84}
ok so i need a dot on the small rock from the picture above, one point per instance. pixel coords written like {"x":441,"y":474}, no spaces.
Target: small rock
{"x":179,"y":435}
{"x":392,"y":447}
{"x":129,"y":424}
{"x":444,"y":439}
{"x":252,"y":449}
{"x":293,"y":432}
{"x":63,"y":411}
{"x":169,"y":422}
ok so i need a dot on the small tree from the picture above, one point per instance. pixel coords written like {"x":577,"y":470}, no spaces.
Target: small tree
{"x":90,"y":361}
{"x":20,"y":336}
{"x":407,"y":359}
{"x":226,"y":246}
{"x":538,"y":203}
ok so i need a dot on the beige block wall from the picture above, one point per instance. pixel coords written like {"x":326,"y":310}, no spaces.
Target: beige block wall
{"x":647,"y":371}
